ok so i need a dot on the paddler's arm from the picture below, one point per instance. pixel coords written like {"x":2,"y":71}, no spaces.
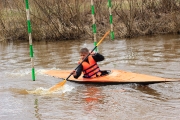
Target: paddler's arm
{"x":78,"y":72}
{"x":98,"y":57}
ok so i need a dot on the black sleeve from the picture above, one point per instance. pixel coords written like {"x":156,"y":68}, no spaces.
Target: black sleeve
{"x":78,"y":71}
{"x":98,"y":57}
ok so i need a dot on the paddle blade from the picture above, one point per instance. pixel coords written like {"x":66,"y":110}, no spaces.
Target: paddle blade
{"x":57,"y":86}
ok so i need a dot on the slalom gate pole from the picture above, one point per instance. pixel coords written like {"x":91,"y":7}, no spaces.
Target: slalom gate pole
{"x":30,"y":38}
{"x":111,"y":19}
{"x":94,"y":23}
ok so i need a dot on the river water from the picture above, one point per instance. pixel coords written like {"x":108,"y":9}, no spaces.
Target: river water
{"x":157,"y":56}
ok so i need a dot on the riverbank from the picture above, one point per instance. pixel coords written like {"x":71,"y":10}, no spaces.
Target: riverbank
{"x":71,"y":19}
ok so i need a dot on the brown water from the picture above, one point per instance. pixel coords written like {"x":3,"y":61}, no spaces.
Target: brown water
{"x":157,"y":56}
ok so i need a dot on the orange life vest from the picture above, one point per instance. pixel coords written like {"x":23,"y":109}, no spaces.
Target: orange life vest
{"x":90,"y":69}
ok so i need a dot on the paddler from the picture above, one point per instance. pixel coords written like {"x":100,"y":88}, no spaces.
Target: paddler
{"x":89,"y":67}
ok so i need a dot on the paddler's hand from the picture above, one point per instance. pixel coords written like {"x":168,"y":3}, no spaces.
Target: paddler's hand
{"x":93,"y":53}
{"x":73,"y":72}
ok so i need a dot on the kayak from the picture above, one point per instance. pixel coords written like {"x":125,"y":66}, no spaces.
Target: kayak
{"x":114,"y":76}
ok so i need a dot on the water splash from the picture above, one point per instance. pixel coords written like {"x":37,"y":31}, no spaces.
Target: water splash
{"x":18,"y":72}
{"x":45,"y":91}
{"x":25,"y":72}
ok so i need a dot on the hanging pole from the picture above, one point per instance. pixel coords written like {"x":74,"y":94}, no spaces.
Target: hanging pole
{"x":94,"y":23}
{"x":30,"y":38}
{"x":111,"y":19}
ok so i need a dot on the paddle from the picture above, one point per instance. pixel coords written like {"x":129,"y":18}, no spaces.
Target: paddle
{"x":55,"y":87}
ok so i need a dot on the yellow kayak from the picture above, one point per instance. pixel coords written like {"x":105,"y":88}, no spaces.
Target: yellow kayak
{"x":114,"y":76}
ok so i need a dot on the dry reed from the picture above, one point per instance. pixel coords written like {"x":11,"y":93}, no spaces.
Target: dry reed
{"x":71,"y":19}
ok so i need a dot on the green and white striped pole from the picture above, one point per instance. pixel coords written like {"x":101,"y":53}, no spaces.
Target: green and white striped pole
{"x":94,"y":23}
{"x":30,"y":38}
{"x":111,"y":19}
